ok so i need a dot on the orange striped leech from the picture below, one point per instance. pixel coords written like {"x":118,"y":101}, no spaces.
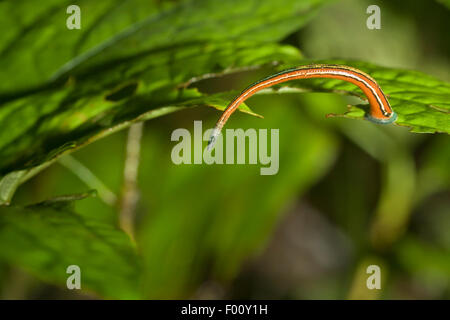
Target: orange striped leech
{"x":380,"y":110}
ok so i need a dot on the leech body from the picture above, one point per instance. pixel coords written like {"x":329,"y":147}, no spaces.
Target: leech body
{"x":380,"y":110}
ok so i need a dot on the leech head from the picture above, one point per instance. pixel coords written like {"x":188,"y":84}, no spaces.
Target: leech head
{"x":390,"y":119}
{"x":212,"y":140}
{"x":381,"y":112}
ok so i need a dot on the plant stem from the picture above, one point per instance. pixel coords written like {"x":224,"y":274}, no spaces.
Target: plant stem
{"x":130,"y":192}
{"x":88,"y":177}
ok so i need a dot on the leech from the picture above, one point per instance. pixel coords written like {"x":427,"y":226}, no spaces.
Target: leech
{"x":380,"y":109}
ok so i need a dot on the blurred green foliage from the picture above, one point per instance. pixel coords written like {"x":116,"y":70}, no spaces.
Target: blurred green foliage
{"x":348,"y":193}
{"x":99,"y":248}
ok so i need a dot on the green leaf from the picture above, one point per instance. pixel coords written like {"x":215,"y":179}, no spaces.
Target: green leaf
{"x":48,"y":237}
{"x":136,"y":74}
{"x":421,"y":102}
{"x":37,"y":41}
{"x":9,"y":184}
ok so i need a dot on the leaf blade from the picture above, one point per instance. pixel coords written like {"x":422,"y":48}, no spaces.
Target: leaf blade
{"x":48,"y":237}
